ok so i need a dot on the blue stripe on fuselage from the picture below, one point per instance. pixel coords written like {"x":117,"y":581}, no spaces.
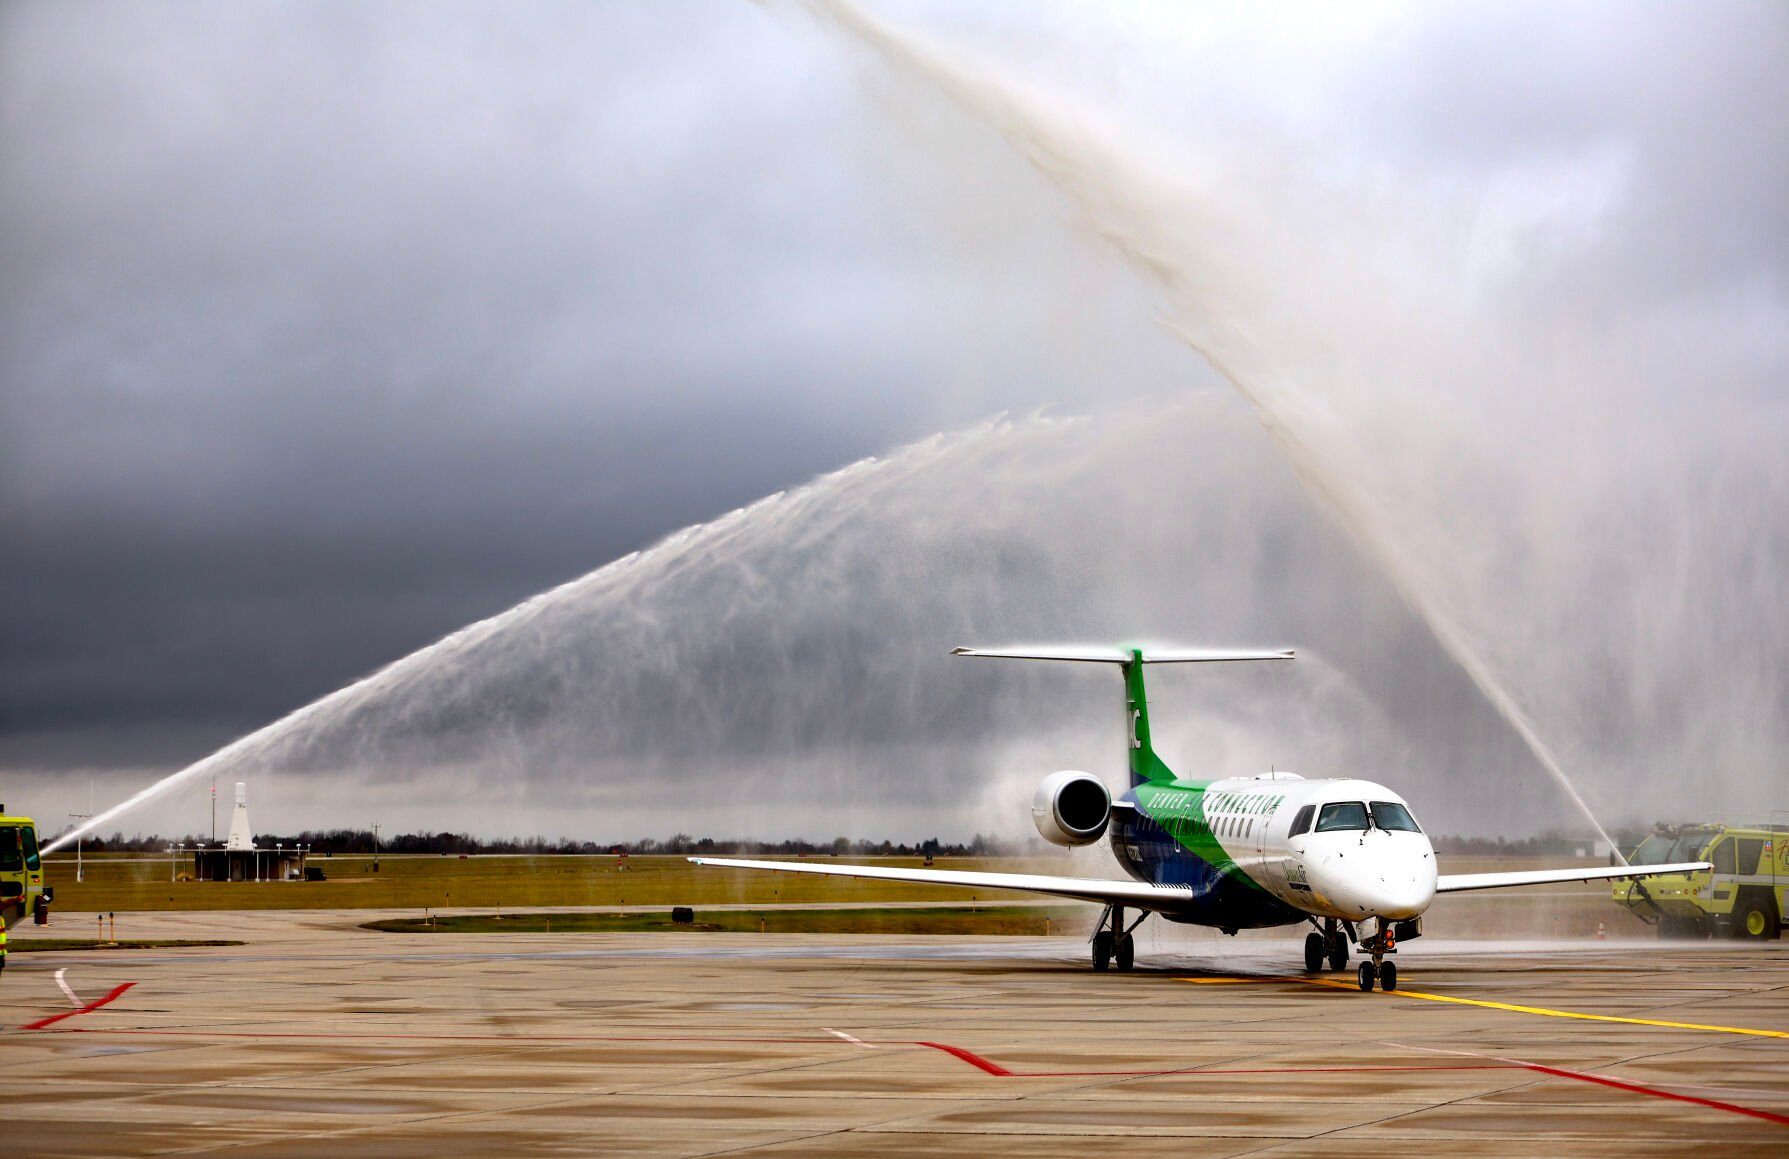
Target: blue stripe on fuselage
{"x":1215,"y":897}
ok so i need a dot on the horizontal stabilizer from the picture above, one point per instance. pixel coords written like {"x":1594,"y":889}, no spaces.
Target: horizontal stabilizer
{"x":1097,"y":655}
{"x":1460,"y":882}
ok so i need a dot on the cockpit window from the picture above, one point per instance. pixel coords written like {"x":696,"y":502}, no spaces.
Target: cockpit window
{"x":1340,"y":815}
{"x":1302,"y":822}
{"x":1394,"y":817}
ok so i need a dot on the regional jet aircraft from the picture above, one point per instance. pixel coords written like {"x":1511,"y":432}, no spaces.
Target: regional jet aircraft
{"x":1238,"y":853}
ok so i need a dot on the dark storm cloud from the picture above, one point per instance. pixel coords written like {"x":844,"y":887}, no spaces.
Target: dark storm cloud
{"x":328,"y":328}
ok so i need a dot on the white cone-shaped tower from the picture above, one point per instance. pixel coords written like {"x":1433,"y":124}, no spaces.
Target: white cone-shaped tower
{"x":241,"y":836}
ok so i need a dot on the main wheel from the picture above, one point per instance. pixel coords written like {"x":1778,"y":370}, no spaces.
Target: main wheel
{"x":1366,"y":975}
{"x":1338,"y":951}
{"x":1388,"y":976}
{"x":1126,"y":952}
{"x":1313,"y":952}
{"x":1102,"y":949}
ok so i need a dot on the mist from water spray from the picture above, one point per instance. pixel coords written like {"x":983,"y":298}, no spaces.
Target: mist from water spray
{"x":1123,"y":201}
{"x":796,"y":648}
{"x":612,"y":581}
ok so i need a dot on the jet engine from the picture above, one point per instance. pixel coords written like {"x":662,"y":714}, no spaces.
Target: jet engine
{"x":1071,"y":808}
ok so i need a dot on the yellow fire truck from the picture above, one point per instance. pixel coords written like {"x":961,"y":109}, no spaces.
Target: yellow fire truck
{"x":1744,"y":896}
{"x":22,"y":890}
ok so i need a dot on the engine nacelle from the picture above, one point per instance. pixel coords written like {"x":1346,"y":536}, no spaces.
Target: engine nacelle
{"x":1071,"y":808}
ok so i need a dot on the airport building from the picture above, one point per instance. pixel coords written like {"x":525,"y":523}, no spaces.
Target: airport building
{"x":240,"y":860}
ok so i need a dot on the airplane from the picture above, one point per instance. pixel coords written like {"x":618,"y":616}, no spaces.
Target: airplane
{"x":1236,"y":853}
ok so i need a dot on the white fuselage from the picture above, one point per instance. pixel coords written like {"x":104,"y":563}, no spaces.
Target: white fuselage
{"x":1345,"y":870}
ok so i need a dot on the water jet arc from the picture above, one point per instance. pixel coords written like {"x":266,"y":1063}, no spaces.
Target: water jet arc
{"x":1106,"y":191}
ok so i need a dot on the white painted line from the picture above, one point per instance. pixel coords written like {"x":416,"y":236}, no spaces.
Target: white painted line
{"x":851,"y":1038}
{"x":73,"y":999}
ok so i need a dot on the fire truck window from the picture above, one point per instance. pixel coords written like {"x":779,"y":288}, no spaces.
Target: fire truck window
{"x":28,"y":836}
{"x":1723,"y":857}
{"x":11,"y":857}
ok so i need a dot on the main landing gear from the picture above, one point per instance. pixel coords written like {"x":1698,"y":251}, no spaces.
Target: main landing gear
{"x":1380,"y":944}
{"x":1112,"y":942}
{"x":1329,"y":944}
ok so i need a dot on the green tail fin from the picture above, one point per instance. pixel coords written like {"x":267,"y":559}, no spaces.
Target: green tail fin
{"x":1145,"y":765}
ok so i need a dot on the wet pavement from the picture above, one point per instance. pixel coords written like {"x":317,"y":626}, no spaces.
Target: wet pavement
{"x":317,"y":1037}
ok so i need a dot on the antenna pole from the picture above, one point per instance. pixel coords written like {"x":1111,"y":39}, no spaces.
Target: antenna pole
{"x":78,"y":817}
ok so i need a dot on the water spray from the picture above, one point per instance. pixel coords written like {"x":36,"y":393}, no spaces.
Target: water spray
{"x":1117,"y":197}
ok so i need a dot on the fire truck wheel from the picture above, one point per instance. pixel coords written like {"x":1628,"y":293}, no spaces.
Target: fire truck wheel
{"x":1675,"y":927}
{"x":1755,"y":917}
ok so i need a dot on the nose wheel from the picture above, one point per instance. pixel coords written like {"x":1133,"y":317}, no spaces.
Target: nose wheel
{"x":1384,"y":973}
{"x":1379,"y":970}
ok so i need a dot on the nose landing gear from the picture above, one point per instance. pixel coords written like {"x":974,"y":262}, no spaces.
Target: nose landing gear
{"x":1379,"y":970}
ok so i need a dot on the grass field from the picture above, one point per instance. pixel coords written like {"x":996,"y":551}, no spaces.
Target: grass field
{"x":39,"y":945}
{"x":983,"y":920}
{"x":126,"y":883}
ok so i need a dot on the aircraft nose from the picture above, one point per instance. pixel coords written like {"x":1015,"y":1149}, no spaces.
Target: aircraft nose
{"x":1401,"y":884}
{"x":1395,"y":883}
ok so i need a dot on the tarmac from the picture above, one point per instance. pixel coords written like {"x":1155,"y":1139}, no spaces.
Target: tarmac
{"x":319,"y":1038}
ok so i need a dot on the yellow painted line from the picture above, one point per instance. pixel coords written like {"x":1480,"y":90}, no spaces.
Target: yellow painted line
{"x":1518,"y":1009}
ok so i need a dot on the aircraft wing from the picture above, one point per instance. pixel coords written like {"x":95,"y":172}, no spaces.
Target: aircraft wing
{"x":1460,"y":882}
{"x":1137,"y":893}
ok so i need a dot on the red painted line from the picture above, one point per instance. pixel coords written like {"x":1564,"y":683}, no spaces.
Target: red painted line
{"x":117,"y":992}
{"x":1606,"y":1081}
{"x":965,"y":1055}
{"x":342,"y":1036}
{"x":1655,"y":1092}
{"x":1197,"y":1071}
{"x":970,"y":1057}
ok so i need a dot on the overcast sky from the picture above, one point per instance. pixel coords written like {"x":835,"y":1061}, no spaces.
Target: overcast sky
{"x":326,"y":329}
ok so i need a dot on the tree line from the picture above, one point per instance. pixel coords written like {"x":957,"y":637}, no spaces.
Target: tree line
{"x":1552,"y":842}
{"x":350,"y":841}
